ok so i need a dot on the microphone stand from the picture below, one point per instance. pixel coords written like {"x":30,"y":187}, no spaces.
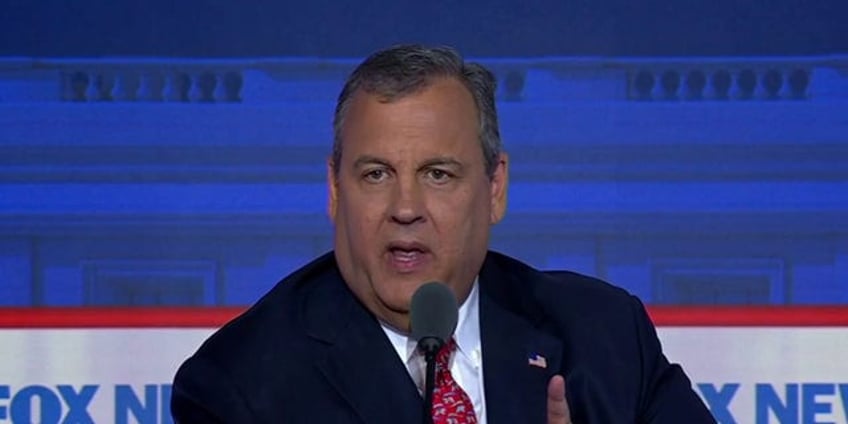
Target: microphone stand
{"x":430,"y":346}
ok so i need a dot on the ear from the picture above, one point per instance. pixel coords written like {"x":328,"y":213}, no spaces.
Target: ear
{"x":332,"y":190}
{"x":498,"y":185}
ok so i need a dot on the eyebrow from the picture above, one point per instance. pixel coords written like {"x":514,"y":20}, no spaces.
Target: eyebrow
{"x":437,"y":161}
{"x":442,"y":160}
{"x":369,"y":160}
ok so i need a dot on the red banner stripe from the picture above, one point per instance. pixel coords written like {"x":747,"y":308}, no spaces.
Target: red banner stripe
{"x":84,"y":317}
{"x":750,"y":316}
{"x":666,"y":316}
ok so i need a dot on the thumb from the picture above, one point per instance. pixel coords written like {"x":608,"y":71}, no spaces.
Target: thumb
{"x":558,"y":412}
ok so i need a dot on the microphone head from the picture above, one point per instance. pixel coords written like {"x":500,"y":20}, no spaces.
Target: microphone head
{"x":433,"y":313}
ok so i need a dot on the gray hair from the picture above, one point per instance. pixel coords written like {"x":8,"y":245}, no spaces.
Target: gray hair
{"x":407,"y":69}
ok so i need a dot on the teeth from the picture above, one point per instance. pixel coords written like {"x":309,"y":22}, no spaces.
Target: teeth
{"x":405,"y":255}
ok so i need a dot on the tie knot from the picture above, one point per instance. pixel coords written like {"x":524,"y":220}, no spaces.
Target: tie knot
{"x":444,"y":355}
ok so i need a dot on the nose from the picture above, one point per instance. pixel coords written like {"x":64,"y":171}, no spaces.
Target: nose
{"x":407,"y":203}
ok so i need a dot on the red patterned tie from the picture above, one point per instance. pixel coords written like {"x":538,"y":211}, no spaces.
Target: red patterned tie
{"x":451,"y":404}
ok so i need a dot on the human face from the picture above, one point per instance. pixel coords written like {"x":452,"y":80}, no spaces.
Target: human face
{"x":412,"y":202}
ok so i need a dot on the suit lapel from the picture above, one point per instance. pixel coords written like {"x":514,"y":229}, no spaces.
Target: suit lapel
{"x":359,"y":361}
{"x":515,"y":389}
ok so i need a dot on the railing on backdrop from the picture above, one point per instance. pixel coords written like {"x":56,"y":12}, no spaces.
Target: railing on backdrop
{"x":262,"y":80}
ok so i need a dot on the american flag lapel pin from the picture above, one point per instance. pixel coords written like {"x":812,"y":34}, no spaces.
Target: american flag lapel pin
{"x":536,"y":360}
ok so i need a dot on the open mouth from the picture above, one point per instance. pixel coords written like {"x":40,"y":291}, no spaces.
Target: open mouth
{"x":406,"y":257}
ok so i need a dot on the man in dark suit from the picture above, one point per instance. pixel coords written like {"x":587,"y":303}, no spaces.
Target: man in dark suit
{"x":416,"y":178}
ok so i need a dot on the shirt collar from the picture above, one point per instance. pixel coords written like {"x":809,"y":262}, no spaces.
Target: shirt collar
{"x":467,"y":334}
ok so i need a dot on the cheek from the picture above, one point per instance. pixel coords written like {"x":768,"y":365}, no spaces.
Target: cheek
{"x":361,"y":219}
{"x":460,"y":213}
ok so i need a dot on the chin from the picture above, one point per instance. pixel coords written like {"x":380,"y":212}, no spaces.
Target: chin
{"x":397,"y":299}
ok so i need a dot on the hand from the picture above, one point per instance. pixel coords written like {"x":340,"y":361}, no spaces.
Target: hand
{"x":558,"y":412}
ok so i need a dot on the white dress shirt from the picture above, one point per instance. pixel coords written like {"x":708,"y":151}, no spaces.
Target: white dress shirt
{"x":466,"y":363}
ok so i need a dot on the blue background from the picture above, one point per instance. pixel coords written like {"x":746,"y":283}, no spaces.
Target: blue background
{"x":172,"y":153}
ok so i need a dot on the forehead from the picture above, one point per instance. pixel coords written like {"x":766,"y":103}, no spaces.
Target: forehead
{"x":443,"y":109}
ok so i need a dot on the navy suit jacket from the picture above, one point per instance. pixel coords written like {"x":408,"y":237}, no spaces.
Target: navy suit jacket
{"x":310,"y":352}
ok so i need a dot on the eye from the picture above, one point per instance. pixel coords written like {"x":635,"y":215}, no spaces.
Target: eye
{"x":375,"y":175}
{"x":439,"y":175}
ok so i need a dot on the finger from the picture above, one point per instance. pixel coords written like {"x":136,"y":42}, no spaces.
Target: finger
{"x":558,"y":412}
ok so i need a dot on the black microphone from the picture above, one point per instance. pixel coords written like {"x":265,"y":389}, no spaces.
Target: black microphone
{"x":433,"y":314}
